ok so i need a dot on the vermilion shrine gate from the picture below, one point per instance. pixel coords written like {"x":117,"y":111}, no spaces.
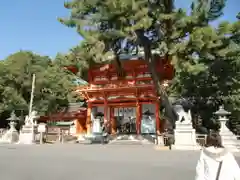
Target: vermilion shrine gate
{"x":129,"y":104}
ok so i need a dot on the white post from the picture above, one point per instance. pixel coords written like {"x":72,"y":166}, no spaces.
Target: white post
{"x":31,"y":103}
{"x":59,"y":134}
{"x":41,"y":137}
{"x":62,"y":136}
{"x":32,"y":94}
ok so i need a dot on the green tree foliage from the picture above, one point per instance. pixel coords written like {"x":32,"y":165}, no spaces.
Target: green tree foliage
{"x":53,"y":88}
{"x":111,"y":27}
{"x":79,"y":57}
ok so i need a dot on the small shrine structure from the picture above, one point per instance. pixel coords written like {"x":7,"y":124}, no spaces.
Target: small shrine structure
{"x":74,"y":115}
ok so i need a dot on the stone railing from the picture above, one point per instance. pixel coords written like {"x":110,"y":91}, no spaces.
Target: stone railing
{"x":165,"y":140}
{"x":111,"y":86}
{"x":238,"y":138}
{"x":2,"y":131}
{"x":201,"y":139}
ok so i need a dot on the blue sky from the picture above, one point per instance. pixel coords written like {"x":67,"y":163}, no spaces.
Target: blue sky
{"x":33,"y":25}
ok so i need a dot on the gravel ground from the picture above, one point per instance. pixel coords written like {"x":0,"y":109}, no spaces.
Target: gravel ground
{"x":95,"y":162}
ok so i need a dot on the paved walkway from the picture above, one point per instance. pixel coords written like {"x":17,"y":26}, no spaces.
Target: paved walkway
{"x":94,"y":162}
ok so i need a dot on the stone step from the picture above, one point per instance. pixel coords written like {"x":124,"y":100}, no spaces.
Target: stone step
{"x":131,"y":139}
{"x":84,"y":142}
{"x":230,"y":140}
{"x":125,"y":142}
{"x":232,"y":148}
{"x":162,"y":148}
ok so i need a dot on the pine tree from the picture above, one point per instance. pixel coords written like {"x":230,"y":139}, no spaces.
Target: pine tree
{"x":217,"y":81}
{"x":111,"y":27}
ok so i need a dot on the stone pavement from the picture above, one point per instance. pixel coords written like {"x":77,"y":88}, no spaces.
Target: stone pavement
{"x":94,"y":162}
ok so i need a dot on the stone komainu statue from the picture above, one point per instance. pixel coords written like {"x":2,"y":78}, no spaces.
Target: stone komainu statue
{"x":29,"y":119}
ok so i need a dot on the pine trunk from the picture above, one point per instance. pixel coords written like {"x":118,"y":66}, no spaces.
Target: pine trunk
{"x":160,"y":91}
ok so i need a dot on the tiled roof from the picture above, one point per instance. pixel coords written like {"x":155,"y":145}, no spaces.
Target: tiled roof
{"x":73,"y":107}
{"x":79,"y":81}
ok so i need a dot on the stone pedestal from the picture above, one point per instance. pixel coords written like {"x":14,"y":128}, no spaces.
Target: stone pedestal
{"x":81,"y":137}
{"x":185,"y":137}
{"x":160,"y":141}
{"x":229,"y":140}
{"x":11,"y":136}
{"x":27,"y":134}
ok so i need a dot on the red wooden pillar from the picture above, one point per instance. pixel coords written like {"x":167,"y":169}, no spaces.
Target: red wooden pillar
{"x":157,"y":118}
{"x":88,"y":121}
{"x":80,"y":126}
{"x":138,"y":117}
{"x":105,"y":112}
{"x":113,"y":122}
{"x":106,"y":120}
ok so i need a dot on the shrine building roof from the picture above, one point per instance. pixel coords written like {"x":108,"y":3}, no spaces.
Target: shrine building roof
{"x":79,"y":81}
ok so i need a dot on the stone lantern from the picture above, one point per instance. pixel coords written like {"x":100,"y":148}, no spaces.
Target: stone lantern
{"x":229,"y":140}
{"x":13,"y":118}
{"x":222,"y":117}
{"x":12,"y":135}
